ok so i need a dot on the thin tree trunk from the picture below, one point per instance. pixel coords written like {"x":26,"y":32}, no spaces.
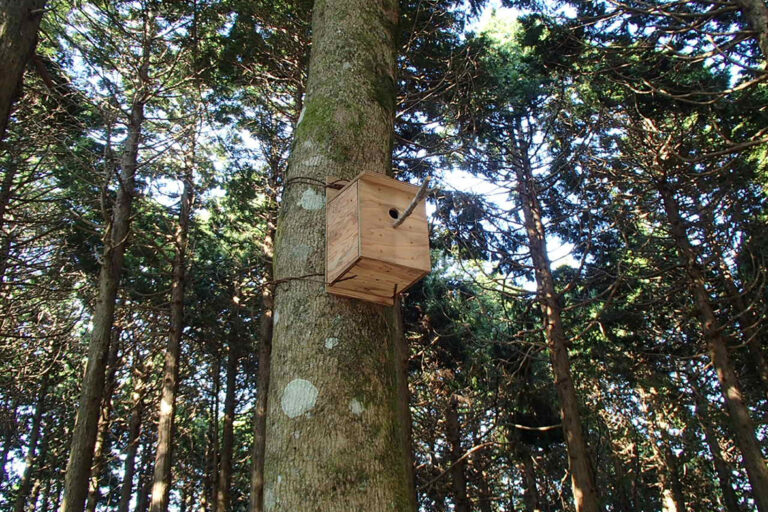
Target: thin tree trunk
{"x":672,"y":499}
{"x":46,"y":493}
{"x":212,"y":450}
{"x":134,"y":430}
{"x":402,"y":355}
{"x":256,"y":503}
{"x":164,"y":455}
{"x":9,"y":432}
{"x":115,"y":241}
{"x":722,"y":468}
{"x":227,"y":435}
{"x":458,"y":464}
{"x":37,"y":486}
{"x":31,"y":457}
{"x":484,"y":502}
{"x":19,"y":23}
{"x":6,"y":237}
{"x":145,"y":480}
{"x":333,"y":423}
{"x":530,"y":491}
{"x":741,"y":422}
{"x":103,"y":438}
{"x":749,"y":322}
{"x":579,"y":463}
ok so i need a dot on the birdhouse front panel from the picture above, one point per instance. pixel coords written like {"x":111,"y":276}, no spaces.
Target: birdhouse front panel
{"x":382,"y":201}
{"x":366,"y":256}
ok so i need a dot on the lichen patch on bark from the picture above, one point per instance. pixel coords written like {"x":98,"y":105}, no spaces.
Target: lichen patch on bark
{"x":331,"y":343}
{"x":312,"y":200}
{"x":355,"y":407}
{"x":299,"y":397}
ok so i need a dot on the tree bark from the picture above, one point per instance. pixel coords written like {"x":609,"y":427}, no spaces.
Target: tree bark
{"x":333,"y":422}
{"x":227,"y":431}
{"x":6,"y":237}
{"x":403,"y":357}
{"x":749,"y":322}
{"x":19,"y":23}
{"x":9,"y":433}
{"x":582,"y":477}
{"x":256,"y":503}
{"x":530,"y":491}
{"x":730,"y":502}
{"x":31,"y":457}
{"x":672,"y":499}
{"x":161,"y":482}
{"x":458,"y":464}
{"x":145,"y":481}
{"x":212,"y":450}
{"x":741,"y":422}
{"x":115,"y":242}
{"x":134,"y":430}
{"x":103,"y":438}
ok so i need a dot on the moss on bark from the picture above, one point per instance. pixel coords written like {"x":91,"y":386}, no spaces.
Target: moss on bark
{"x":344,"y":449}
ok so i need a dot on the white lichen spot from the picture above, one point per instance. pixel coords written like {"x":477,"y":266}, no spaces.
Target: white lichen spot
{"x":275,"y":318}
{"x":296,"y":435}
{"x":299,"y":397}
{"x":347,"y":66}
{"x":312,"y":200}
{"x":331,"y":342}
{"x":301,"y":116}
{"x":355,"y":407}
{"x":279,"y":479}
{"x":269,"y":499}
{"x":301,"y":252}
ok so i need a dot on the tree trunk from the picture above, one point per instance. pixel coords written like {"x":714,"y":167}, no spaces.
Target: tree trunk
{"x":102,"y":447}
{"x":403,"y":357}
{"x":334,"y":366}
{"x":19,"y":22}
{"x":484,"y":503}
{"x":749,"y":323}
{"x":134,"y":430}
{"x":672,"y":499}
{"x":530,"y":491}
{"x":145,"y":481}
{"x":256,"y":503}
{"x":37,"y":486}
{"x":212,"y":450}
{"x":741,"y":422}
{"x":458,"y":464}
{"x":723,"y":470}
{"x":86,"y":422}
{"x":161,"y":485}
{"x":582,"y":478}
{"x":31,"y":458}
{"x":6,"y":237}
{"x":227,"y":435}
{"x":9,"y":433}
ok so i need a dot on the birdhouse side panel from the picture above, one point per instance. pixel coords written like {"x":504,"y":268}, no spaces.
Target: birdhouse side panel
{"x":342,"y":232}
{"x":380,"y":205}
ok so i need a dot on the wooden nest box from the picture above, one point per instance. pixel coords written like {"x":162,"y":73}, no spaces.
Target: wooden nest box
{"x":366,"y":256}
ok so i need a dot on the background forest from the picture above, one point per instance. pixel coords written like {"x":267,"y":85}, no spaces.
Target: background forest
{"x":592,"y":335}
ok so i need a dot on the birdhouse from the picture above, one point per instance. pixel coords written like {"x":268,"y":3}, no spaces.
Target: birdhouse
{"x":366,"y":256}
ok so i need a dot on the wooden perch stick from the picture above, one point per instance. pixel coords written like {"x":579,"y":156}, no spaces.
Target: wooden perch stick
{"x":421,"y":194}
